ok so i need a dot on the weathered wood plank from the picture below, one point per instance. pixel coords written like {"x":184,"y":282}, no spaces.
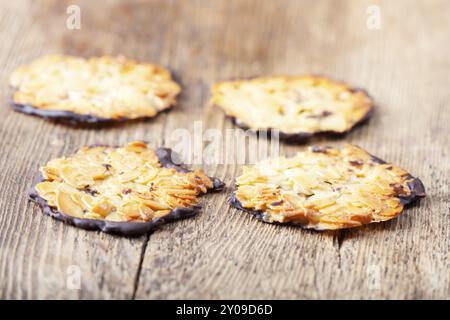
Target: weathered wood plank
{"x":39,"y":256}
{"x":224,"y":253}
{"x":227,"y":254}
{"x":407,"y":258}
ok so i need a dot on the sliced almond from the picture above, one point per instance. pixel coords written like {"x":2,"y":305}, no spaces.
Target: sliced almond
{"x":46,"y":187}
{"x":102,"y":207}
{"x":66,"y":205}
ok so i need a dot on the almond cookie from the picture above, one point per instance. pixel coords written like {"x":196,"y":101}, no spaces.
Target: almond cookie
{"x":103,"y":89}
{"x":125,"y":190}
{"x":297,"y":107}
{"x":326,"y":188}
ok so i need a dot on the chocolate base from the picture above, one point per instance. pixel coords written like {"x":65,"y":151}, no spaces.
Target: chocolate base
{"x":301,"y":137}
{"x":417,"y":191}
{"x":72,"y":118}
{"x":130,"y":229}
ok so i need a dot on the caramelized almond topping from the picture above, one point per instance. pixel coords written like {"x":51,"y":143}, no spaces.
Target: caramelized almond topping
{"x":293,"y":105}
{"x":130,"y":184}
{"x":319,"y":191}
{"x":105,"y":87}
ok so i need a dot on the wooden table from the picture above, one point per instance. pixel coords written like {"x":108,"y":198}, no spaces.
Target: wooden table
{"x":223,"y":253}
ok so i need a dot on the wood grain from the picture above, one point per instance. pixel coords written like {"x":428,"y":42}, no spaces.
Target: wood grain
{"x":224,"y":253}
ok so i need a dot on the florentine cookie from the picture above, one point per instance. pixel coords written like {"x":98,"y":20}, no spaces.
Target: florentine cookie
{"x":326,"y":188}
{"x":127,"y":190}
{"x":296,"y":106}
{"x":102,"y":89}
